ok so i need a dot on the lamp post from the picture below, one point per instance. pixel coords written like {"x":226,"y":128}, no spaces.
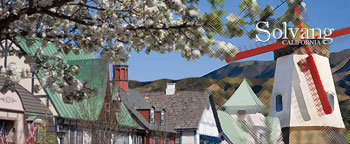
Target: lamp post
{"x":61,"y":133}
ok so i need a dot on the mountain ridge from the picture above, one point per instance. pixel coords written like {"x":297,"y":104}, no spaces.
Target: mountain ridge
{"x":266,"y":69}
{"x":224,"y":81}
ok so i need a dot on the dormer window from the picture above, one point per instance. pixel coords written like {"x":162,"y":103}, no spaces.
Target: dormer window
{"x":162,"y":118}
{"x":151,"y":116}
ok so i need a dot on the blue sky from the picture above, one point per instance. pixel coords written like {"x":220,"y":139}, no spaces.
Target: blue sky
{"x":320,"y":14}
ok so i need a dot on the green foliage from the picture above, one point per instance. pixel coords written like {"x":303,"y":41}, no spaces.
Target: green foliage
{"x":251,"y":34}
{"x":267,"y":12}
{"x":42,"y":137}
{"x":215,"y":3}
{"x":244,"y":4}
{"x":234,"y":29}
{"x":212,"y":21}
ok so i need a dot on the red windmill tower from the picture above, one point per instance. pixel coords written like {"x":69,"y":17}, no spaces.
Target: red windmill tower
{"x":303,"y":95}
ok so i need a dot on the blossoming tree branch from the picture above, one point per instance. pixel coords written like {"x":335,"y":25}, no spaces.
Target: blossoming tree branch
{"x":113,"y":28}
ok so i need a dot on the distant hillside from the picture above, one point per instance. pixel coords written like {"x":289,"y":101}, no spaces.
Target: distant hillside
{"x":259,"y":74}
{"x":339,"y":61}
{"x":224,"y":81}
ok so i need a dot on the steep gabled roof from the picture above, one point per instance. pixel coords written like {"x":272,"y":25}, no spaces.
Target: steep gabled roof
{"x":184,"y":109}
{"x":73,"y":110}
{"x":51,"y":49}
{"x":236,"y":132}
{"x":33,"y":107}
{"x":231,"y":128}
{"x":133,"y":102}
{"x":243,"y":98}
{"x":94,"y":72}
{"x":124,"y":117}
{"x":31,"y":104}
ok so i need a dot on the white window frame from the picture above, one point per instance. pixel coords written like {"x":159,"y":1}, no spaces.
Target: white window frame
{"x":162,"y":118}
{"x":151,"y":116}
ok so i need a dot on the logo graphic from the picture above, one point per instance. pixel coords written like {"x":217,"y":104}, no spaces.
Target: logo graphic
{"x":295,"y":36}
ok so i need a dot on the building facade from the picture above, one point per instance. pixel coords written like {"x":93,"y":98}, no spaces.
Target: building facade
{"x":243,"y":120}
{"x":190,"y":113}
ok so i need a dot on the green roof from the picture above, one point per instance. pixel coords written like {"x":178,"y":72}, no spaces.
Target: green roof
{"x":237,"y":132}
{"x":232,"y":129}
{"x":51,"y":49}
{"x":95,"y":73}
{"x":243,"y":98}
{"x":124,"y":117}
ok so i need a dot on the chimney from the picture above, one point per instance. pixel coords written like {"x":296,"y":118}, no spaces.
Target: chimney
{"x":170,"y":89}
{"x":147,"y":98}
{"x":120,"y":75}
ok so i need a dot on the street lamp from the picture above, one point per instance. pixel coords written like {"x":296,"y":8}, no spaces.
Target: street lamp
{"x":61,"y":133}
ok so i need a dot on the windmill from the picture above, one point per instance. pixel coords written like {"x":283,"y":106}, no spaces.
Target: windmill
{"x":303,"y":95}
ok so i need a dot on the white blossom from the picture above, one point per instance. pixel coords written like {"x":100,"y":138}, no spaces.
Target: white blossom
{"x":111,"y":28}
{"x":232,"y":17}
{"x":196,"y":53}
{"x":194,"y":12}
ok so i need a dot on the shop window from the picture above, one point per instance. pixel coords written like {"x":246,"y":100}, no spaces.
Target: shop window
{"x":139,"y":140}
{"x":8,"y":130}
{"x":167,"y":141}
{"x":39,"y":127}
{"x":279,"y":105}
{"x":122,"y":138}
{"x":134,"y":139}
{"x":156,"y":140}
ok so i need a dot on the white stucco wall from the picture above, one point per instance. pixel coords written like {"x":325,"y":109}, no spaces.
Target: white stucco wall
{"x":207,"y":125}
{"x":11,"y":101}
{"x":26,"y":82}
{"x":298,"y":106}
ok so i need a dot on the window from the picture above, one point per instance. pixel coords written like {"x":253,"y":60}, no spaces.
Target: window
{"x":9,"y":129}
{"x":156,"y":140}
{"x":139,"y":140}
{"x":162,"y":118}
{"x":167,"y":141}
{"x":80,"y":137}
{"x":122,"y":138}
{"x":151,"y":116}
{"x":279,"y":105}
{"x":134,"y":139}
